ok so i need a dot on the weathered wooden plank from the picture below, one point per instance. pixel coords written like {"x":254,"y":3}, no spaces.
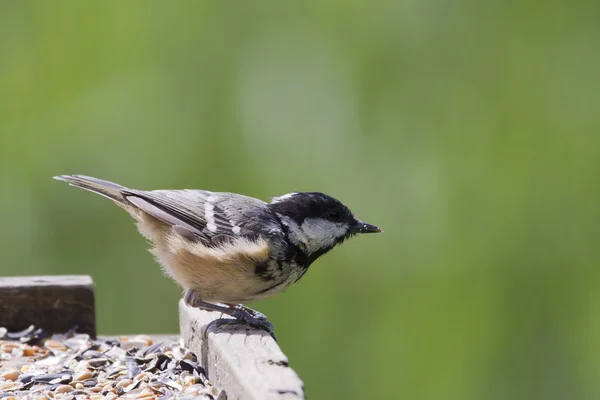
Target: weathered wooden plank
{"x":53,"y":303}
{"x":245,"y":362}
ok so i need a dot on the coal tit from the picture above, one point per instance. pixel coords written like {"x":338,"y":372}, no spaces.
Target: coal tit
{"x":228,"y":248}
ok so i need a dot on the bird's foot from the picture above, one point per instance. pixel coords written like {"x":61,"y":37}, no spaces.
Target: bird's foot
{"x":251,"y":317}
{"x":239,"y":312}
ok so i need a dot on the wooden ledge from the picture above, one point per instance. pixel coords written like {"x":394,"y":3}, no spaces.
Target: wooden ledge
{"x":54,"y":303}
{"x":243,"y":361}
{"x":246,"y":362}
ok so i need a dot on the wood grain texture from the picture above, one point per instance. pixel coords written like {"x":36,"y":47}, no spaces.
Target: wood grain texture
{"x":245,"y":362}
{"x":53,"y":303}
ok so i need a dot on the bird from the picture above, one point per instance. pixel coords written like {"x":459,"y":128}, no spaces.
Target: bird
{"x":225,"y":249}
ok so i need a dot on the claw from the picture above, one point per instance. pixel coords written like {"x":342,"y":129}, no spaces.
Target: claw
{"x":256,"y":319}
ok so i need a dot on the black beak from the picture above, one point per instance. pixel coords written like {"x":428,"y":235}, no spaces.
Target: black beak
{"x":362,"y":227}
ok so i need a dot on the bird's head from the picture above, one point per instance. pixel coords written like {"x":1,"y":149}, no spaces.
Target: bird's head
{"x":317,"y":222}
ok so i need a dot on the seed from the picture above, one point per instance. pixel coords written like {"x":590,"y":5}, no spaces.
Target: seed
{"x":79,"y":386}
{"x":64,"y":389}
{"x":52,"y":378}
{"x":97,"y":362}
{"x":108,"y":388}
{"x":90,"y":383}
{"x":17,"y":352}
{"x":83,"y":376}
{"x":142,"y":376}
{"x":9,"y":385}
{"x":11,"y":374}
{"x":28,"y":352}
{"x":145,"y":396}
{"x":96,"y":397}
{"x":191,"y":390}
{"x":189,"y":380}
{"x":92,"y":354}
{"x":8,"y":347}
{"x":143,"y":338}
{"x":124,"y":382}
{"x":55,"y":346}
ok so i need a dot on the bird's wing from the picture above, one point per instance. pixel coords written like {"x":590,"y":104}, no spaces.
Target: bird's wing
{"x":211,"y":217}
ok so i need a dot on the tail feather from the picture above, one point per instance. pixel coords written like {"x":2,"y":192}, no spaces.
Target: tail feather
{"x":107,"y":189}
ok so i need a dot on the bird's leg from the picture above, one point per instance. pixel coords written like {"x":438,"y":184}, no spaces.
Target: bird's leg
{"x":237,"y":311}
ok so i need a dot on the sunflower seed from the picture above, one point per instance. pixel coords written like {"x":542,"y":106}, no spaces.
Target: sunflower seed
{"x":72,"y":366}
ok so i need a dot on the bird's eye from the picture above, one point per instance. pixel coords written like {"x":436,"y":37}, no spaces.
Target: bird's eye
{"x":334,"y":215}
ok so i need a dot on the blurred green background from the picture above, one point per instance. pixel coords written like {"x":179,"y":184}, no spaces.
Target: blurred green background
{"x":467,"y":130}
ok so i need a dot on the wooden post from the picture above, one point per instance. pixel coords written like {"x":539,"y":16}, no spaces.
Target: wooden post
{"x":245,"y":362}
{"x":53,"y":303}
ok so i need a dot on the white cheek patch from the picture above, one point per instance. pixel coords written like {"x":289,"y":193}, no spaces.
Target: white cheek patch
{"x":321,"y":234}
{"x":315,"y":233}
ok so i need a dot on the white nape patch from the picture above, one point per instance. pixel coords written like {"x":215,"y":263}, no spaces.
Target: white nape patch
{"x":236,"y":229}
{"x":281,"y":198}
{"x":211,"y":227}
{"x":209,"y":207}
{"x":321,"y":233}
{"x":210,"y":199}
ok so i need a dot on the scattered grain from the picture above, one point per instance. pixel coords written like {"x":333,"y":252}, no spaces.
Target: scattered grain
{"x":64,"y":389}
{"x":11,"y":374}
